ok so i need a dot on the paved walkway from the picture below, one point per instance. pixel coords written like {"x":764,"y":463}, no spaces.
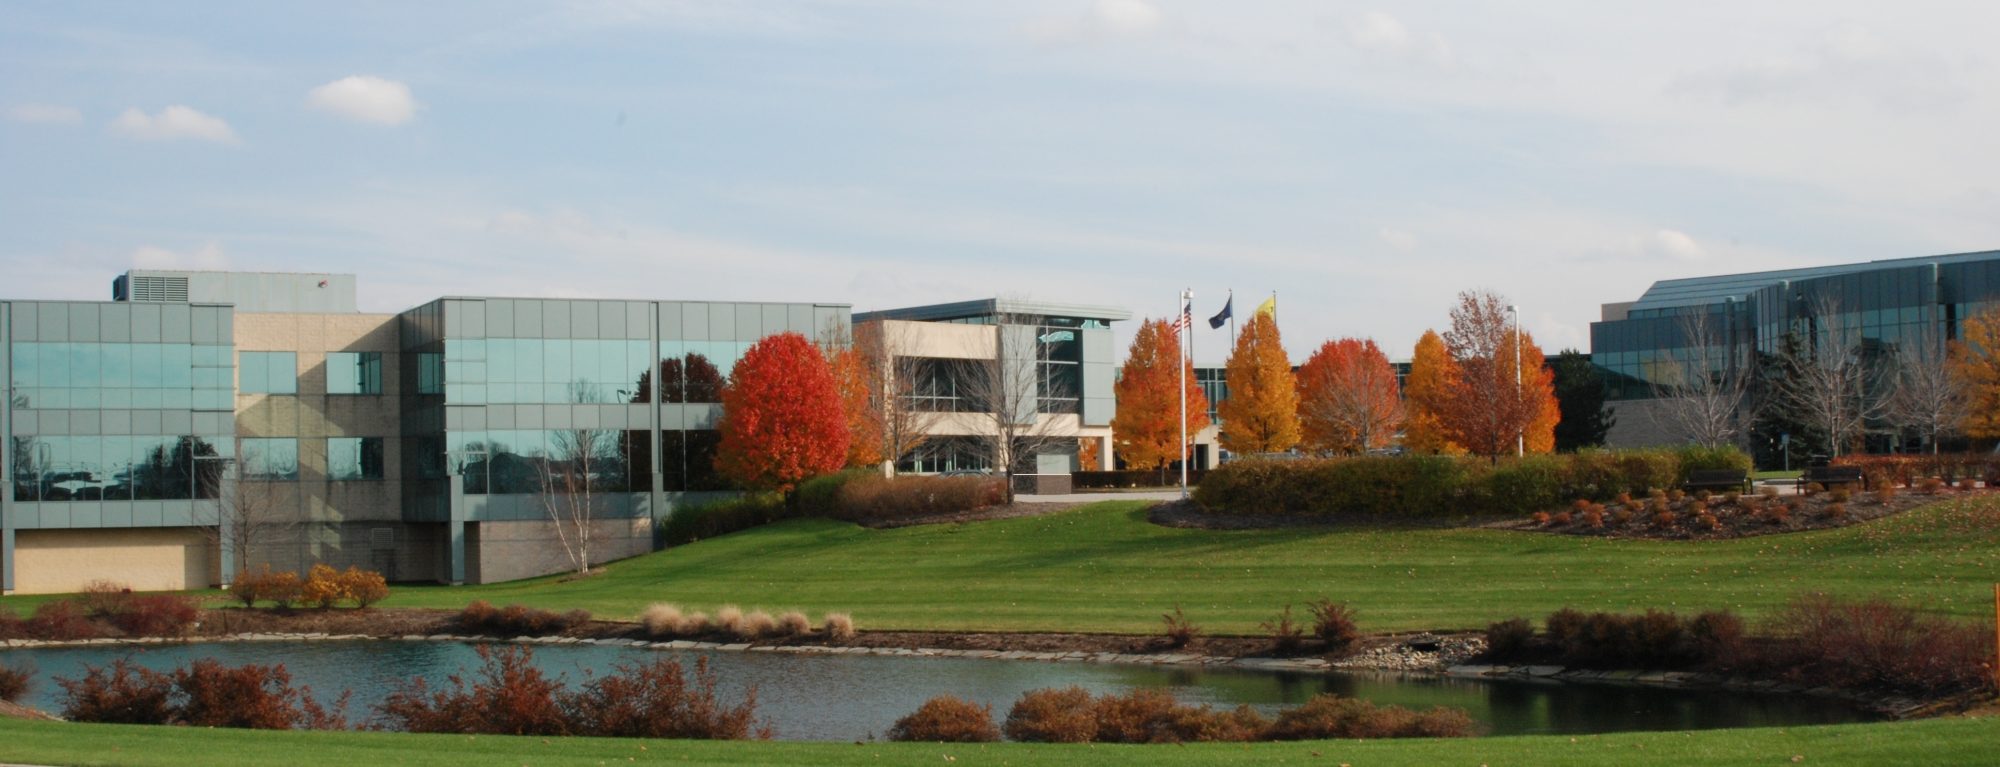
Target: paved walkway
{"x":1146,"y":495}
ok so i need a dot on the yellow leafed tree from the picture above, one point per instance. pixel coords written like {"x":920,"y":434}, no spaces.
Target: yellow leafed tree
{"x":1975,"y":362}
{"x":1261,"y":414}
{"x":1429,"y":383}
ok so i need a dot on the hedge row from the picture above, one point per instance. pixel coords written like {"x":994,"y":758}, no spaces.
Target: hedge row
{"x":1439,"y":486}
{"x":854,"y":494}
{"x":1906,"y":469}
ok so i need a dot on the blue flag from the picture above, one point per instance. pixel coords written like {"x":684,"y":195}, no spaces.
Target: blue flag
{"x":1224,"y":315}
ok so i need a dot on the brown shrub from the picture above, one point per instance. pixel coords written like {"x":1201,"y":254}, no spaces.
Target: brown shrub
{"x":1180,"y":631}
{"x":61,"y":621}
{"x":124,"y":694}
{"x":322,"y":587}
{"x":1839,"y":495}
{"x":903,"y":497}
{"x":1510,"y":640}
{"x":1768,"y":491}
{"x":794,"y":623}
{"x":1579,"y":505}
{"x":1718,"y":639}
{"x":1594,"y":517}
{"x":729,"y":619}
{"x":1333,"y":623}
{"x":662,"y":619}
{"x":157,"y":615}
{"x":947,"y":719}
{"x":757,"y":624}
{"x":839,"y":627}
{"x":1243,"y":724}
{"x":1968,"y":483}
{"x":1286,"y":635}
{"x":363,"y":587}
{"x":1541,"y":518}
{"x":1933,"y":485}
{"x":14,"y":683}
{"x":1622,"y":516}
{"x":508,"y":697}
{"x":1053,"y":716}
{"x":281,"y":588}
{"x":1709,"y":521}
{"x":1560,"y":518}
{"x":1732,"y":496}
{"x":210,"y":694}
{"x":1330,"y":716}
{"x":1664,"y":519}
{"x":1146,"y":715}
{"x":103,"y":599}
{"x":1879,"y":646}
{"x":1675,"y":495}
{"x":1836,"y":511}
{"x":656,"y":700}
{"x":480,"y":617}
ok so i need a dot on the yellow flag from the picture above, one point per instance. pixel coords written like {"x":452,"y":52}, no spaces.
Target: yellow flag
{"x":1270,"y":306}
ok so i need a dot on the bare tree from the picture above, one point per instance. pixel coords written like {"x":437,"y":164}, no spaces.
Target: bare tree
{"x":1008,"y":390}
{"x":249,"y":512}
{"x":893,"y":381}
{"x":1832,"y":384}
{"x":1926,"y":397}
{"x":1702,"y":388}
{"x":569,"y":478}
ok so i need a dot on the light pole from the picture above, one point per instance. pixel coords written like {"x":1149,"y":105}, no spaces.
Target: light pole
{"x":1520,"y":429}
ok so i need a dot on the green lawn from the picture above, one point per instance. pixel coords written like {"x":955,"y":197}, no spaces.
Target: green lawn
{"x":1957,"y":741}
{"x":1103,"y":568}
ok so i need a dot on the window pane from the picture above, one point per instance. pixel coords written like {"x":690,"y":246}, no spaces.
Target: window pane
{"x":351,"y":458}
{"x":271,"y":458}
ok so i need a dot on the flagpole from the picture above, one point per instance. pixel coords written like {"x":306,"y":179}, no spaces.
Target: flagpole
{"x":1187,"y":298}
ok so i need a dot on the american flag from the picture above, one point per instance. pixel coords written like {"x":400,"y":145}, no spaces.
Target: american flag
{"x":1186,"y":319}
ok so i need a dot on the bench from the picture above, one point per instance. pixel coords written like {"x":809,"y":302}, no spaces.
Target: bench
{"x":1831,"y":477}
{"x":1717,"y":479}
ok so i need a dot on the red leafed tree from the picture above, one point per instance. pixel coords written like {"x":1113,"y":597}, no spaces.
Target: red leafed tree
{"x":781,"y":416}
{"x":1347,"y":398}
{"x":1489,"y":409}
{"x":1148,"y":423}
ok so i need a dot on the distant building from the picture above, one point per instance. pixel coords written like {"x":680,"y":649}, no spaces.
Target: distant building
{"x":1889,"y":303}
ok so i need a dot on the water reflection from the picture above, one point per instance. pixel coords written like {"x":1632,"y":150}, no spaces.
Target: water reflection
{"x":856,"y":697}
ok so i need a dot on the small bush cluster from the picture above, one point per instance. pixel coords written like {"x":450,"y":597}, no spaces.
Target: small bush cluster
{"x":1072,"y":715}
{"x":61,"y":621}
{"x":1873,"y":646}
{"x":481,"y":617}
{"x":947,"y":719}
{"x":1911,"y":469}
{"x":1180,"y":631}
{"x":282,"y":588}
{"x":202,"y":694}
{"x":1286,"y":635}
{"x":1333,"y":623}
{"x":667,"y":620}
{"x":325,"y":587}
{"x":1435,"y":486}
{"x":875,"y":497}
{"x":14,"y":683}
{"x":688,"y":524}
{"x":156,"y":615}
{"x":510,"y":696}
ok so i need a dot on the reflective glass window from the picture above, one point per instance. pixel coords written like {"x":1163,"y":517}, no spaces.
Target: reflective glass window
{"x":269,"y":373}
{"x":352,"y":458}
{"x":271,"y":458}
{"x":354,"y":373}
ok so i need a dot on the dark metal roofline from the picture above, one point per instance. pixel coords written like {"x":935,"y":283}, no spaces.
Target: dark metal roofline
{"x":988,"y":306}
{"x":636,"y":300}
{"x":1697,"y":291}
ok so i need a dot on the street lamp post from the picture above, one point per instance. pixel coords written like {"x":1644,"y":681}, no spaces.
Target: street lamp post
{"x":1520,"y":429}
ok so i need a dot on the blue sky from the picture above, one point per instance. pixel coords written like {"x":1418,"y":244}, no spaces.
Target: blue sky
{"x":1365,"y":160}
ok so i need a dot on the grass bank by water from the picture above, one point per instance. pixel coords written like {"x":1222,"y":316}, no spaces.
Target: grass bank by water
{"x":1930,"y":742}
{"x":1104,"y":568}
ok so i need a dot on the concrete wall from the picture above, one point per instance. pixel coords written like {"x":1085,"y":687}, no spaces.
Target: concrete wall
{"x":146,"y":559}
{"x":1641,"y":423}
{"x":506,"y":551}
{"x":325,"y":520}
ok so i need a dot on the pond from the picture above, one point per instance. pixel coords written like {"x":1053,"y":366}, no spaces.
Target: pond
{"x":855,"y":697}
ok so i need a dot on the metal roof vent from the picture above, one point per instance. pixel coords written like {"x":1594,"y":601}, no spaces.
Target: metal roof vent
{"x":156,"y":289}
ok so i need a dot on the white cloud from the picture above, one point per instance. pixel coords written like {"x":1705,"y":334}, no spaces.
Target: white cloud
{"x":1106,"y":19}
{"x":1848,"y":63}
{"x":1127,"y":16}
{"x":45,"y":114}
{"x":1402,"y":241}
{"x":1384,"y":35}
{"x":173,"y":123}
{"x":363,"y":98}
{"x":209,"y":256}
{"x":1674,"y":244}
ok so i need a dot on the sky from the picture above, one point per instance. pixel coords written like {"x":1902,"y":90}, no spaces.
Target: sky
{"x":1366,"y":161}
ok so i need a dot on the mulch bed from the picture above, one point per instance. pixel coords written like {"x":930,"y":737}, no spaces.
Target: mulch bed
{"x":1006,"y":511}
{"x":1189,"y":514}
{"x":1717,"y":518}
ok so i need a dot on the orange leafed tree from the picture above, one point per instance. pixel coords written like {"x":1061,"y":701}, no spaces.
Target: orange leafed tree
{"x":1261,"y":414}
{"x":855,"y":375}
{"x":1488,"y":408}
{"x":781,"y":416}
{"x":1541,"y":433}
{"x":1148,"y":422}
{"x":1429,"y":387}
{"x":1975,"y":364}
{"x":1347,"y":398}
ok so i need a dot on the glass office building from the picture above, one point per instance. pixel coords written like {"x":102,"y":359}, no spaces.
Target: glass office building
{"x":1731,"y":321}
